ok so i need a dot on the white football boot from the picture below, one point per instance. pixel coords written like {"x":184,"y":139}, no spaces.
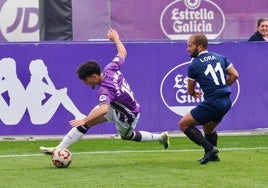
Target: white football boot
{"x":47,"y":150}
{"x":165,"y":140}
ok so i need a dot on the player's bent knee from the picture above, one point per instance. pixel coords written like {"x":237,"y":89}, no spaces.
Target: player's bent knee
{"x":182,"y":126}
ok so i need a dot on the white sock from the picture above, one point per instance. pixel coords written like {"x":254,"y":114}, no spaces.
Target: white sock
{"x":147,"y":136}
{"x":71,"y":137}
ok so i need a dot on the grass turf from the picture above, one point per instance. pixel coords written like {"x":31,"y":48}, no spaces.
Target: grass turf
{"x":116,"y":163}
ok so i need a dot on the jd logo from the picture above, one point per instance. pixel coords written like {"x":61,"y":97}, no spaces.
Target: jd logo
{"x":173,"y":91}
{"x":19,"y":20}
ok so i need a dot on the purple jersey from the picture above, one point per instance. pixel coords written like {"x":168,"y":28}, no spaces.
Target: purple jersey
{"x":114,"y":90}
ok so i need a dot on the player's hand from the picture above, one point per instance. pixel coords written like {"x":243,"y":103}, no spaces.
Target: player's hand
{"x":198,"y":94}
{"x":112,"y":35}
{"x":77,"y":123}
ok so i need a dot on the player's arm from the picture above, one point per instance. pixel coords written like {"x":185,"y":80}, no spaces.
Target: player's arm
{"x":191,"y":89}
{"x":232,"y":75}
{"x":113,"y":36}
{"x":94,"y":117}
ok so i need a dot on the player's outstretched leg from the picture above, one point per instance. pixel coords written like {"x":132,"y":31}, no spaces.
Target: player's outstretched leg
{"x":144,"y":136}
{"x":74,"y":135}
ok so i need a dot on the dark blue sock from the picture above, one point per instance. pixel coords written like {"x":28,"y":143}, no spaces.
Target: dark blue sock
{"x":212,"y":138}
{"x":197,"y":137}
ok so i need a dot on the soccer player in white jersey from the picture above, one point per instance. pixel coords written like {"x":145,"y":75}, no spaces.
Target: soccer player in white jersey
{"x":117,"y":102}
{"x":214,"y":73}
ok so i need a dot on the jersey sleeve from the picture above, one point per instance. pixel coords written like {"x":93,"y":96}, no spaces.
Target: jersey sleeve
{"x":118,"y":60}
{"x":105,"y":95}
{"x":228,"y":64}
{"x":191,"y":73}
{"x":115,"y":64}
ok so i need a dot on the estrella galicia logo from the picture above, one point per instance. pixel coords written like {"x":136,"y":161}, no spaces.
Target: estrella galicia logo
{"x":173,"y":91}
{"x":182,"y":18}
{"x":19,"y":20}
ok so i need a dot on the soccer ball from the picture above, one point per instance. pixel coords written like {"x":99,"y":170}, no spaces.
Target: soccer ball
{"x":61,"y":158}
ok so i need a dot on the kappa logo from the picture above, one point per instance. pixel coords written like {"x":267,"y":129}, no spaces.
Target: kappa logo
{"x":173,"y":91}
{"x":40,"y":98}
{"x":182,"y":18}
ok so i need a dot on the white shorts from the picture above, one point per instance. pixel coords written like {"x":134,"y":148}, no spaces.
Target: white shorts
{"x":123,"y":128}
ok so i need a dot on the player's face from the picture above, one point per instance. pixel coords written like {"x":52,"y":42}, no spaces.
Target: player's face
{"x":192,"y":48}
{"x":263,"y":28}
{"x":92,"y":81}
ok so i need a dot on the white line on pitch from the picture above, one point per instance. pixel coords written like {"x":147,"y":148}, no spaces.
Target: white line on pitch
{"x":136,"y":151}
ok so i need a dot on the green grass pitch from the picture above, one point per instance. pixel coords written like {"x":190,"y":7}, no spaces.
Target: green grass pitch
{"x":114,"y":163}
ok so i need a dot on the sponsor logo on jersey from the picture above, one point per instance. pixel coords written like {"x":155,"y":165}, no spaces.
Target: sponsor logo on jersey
{"x":182,"y":18}
{"x":173,"y":91}
{"x":102,"y":98}
{"x":116,"y":59}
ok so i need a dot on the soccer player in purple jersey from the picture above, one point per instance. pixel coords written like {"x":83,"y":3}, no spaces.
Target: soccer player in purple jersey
{"x":116,"y":102}
{"x":215,"y":74}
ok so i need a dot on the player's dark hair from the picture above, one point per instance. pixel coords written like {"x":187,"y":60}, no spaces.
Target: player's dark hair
{"x":261,"y":20}
{"x":200,"y":39}
{"x":88,"y":69}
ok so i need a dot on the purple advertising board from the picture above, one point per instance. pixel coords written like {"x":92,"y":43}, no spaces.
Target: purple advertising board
{"x":167,"y":19}
{"x":40,"y":91}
